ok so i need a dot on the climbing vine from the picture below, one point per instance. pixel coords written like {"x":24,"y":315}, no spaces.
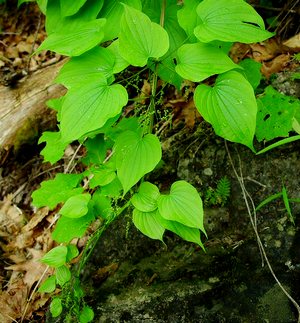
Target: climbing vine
{"x":173,"y":42}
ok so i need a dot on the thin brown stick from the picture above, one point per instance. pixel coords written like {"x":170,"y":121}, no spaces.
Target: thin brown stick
{"x":247,"y":197}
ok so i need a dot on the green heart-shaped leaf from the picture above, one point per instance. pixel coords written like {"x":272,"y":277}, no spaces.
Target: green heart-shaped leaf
{"x":183,"y":205}
{"x":140,"y":38}
{"x":230,"y":106}
{"x":229,"y":20}
{"x":145,"y":200}
{"x":196,"y":62}
{"x":135,"y":157}
{"x":76,"y":206}
{"x":148,"y":224}
{"x":86,"y":108}
{"x":74,"y":42}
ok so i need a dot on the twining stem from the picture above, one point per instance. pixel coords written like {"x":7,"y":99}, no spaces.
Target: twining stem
{"x":89,"y":248}
{"x":155,"y":76}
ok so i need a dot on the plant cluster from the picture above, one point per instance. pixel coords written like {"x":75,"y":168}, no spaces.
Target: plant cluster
{"x":173,"y":42}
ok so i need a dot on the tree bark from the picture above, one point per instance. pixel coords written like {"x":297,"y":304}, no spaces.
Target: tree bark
{"x":23,"y":111}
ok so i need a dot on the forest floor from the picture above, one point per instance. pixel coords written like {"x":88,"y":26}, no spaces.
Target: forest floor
{"x":25,"y":232}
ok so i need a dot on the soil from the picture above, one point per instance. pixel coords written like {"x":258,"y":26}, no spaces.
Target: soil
{"x":134,"y":279}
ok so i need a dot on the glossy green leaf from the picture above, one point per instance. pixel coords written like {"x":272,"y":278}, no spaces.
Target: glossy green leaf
{"x":86,"y":315}
{"x":88,"y":107}
{"x":230,"y":106}
{"x":135,"y":157}
{"x":145,"y":200}
{"x":63,"y":275}
{"x":183,"y":205}
{"x":56,"y":257}
{"x":140,"y":38}
{"x":188,"y":18}
{"x":98,"y":61}
{"x":76,"y":206}
{"x":120,"y":63}
{"x":229,"y":21}
{"x":54,"y":149}
{"x":185,"y":232}
{"x":73,"y":252}
{"x":102,"y":205}
{"x":70,"y":7}
{"x":48,"y":286}
{"x":148,"y":224}
{"x":196,"y":62}
{"x":57,"y":190}
{"x":56,"y":307}
{"x":112,"y":11}
{"x":112,"y":189}
{"x":56,"y":104}
{"x":102,"y":177}
{"x":166,"y":67}
{"x":251,"y":71}
{"x":68,"y":228}
{"x":96,"y":150}
{"x":74,"y":42}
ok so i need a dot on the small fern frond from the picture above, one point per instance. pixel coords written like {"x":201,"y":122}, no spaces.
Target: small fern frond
{"x":223,"y":188}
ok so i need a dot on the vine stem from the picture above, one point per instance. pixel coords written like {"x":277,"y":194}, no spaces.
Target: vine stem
{"x":155,"y":76}
{"x":252,"y":215}
{"x":91,"y":244}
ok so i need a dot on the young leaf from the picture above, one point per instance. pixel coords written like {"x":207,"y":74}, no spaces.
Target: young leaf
{"x":88,"y":107}
{"x":166,"y":67}
{"x":102,"y":176}
{"x":55,"y":307}
{"x":185,"y":232}
{"x":72,"y":252}
{"x":68,"y":228}
{"x":120,"y":63}
{"x":97,"y":62}
{"x":252,"y":71}
{"x":96,"y":150}
{"x":183,"y":205}
{"x":188,"y":18}
{"x":148,"y":224}
{"x":48,"y":286}
{"x":102,"y":205}
{"x":74,"y":42}
{"x":63,"y":275}
{"x":140,"y":38}
{"x":56,"y":257}
{"x":146,"y":198}
{"x":135,"y":157}
{"x":86,"y":315}
{"x":76,"y":206}
{"x":70,"y":7}
{"x":230,"y":106}
{"x":54,"y":148}
{"x":112,"y":11}
{"x":57,"y":190}
{"x":229,"y":20}
{"x":112,"y":189}
{"x":196,"y":62}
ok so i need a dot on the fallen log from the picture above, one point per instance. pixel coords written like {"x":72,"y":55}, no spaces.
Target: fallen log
{"x":23,"y":111}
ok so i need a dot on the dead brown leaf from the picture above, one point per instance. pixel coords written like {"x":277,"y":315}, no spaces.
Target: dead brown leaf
{"x":293,"y":43}
{"x":276,"y":65}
